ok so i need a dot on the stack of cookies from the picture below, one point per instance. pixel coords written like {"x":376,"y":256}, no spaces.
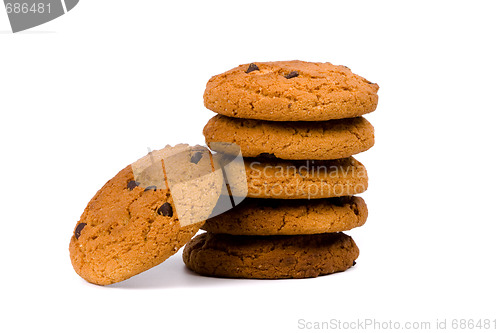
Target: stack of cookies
{"x":297,"y":125}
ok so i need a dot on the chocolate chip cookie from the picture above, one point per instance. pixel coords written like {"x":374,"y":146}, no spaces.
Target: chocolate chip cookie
{"x":270,"y":257}
{"x":325,"y":140}
{"x":290,"y":91}
{"x":130,"y":226}
{"x":264,"y":217}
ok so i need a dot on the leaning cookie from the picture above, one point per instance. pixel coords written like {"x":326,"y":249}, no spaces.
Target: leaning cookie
{"x":270,"y":257}
{"x":130,"y":226}
{"x":290,"y":91}
{"x":292,"y":140}
{"x":263,"y":217}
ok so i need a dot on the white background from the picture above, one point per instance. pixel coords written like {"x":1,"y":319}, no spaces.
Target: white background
{"x":86,"y":94}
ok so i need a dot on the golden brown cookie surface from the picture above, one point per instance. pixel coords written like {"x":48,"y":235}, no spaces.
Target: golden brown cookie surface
{"x":290,"y":217}
{"x":293,"y":140}
{"x":290,"y":91}
{"x":270,"y":257}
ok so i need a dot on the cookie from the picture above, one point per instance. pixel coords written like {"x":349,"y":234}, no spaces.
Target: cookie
{"x":325,"y":140}
{"x":290,"y":91}
{"x":130,"y":226}
{"x":301,"y":179}
{"x":270,"y":257}
{"x":290,"y":217}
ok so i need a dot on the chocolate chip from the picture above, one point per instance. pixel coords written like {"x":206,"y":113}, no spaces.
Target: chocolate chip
{"x":354,"y":263}
{"x":292,"y":75}
{"x":132,"y":184}
{"x":165,"y":210}
{"x":79,"y":229}
{"x":196,"y":157}
{"x":252,"y":67}
{"x":152,"y":187}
